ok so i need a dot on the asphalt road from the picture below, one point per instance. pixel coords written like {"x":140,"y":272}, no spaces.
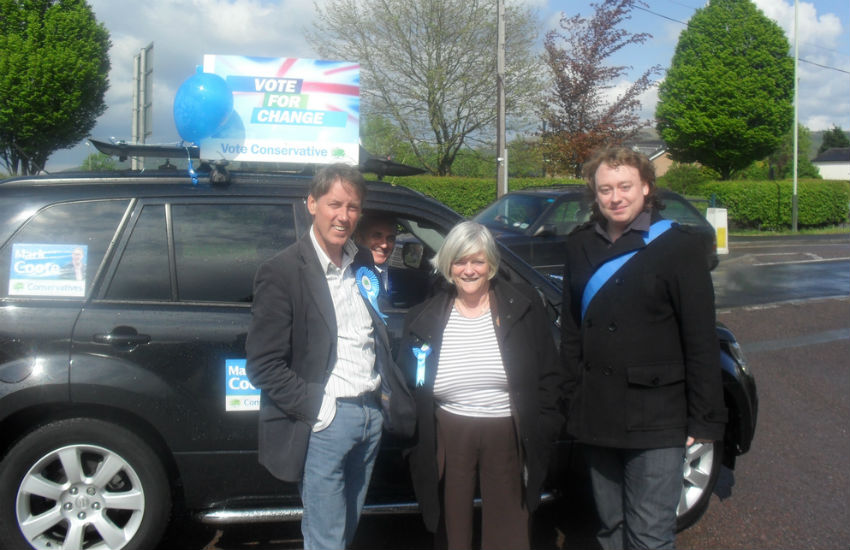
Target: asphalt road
{"x":761,"y":270}
{"x":790,"y":491}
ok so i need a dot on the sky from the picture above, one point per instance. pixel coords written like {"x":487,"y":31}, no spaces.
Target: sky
{"x":182,"y":31}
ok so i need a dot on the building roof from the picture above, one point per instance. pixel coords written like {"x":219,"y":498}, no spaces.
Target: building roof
{"x":834,"y":154}
{"x":652,"y":148}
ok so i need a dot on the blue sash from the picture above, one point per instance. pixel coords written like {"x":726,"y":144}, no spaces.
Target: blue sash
{"x":606,"y":270}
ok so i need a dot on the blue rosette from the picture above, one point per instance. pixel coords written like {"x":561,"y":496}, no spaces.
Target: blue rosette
{"x":370,"y":287}
{"x":421,"y":354}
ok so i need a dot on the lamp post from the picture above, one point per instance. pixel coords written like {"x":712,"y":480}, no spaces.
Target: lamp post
{"x":796,"y":128}
{"x":501,"y":149}
{"x":142,"y":100}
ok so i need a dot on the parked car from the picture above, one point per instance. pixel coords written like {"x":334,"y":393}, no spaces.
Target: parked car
{"x":124,"y":306}
{"x":535,"y":222}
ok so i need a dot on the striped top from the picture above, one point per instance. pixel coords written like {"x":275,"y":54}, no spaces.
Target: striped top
{"x":471,"y":378}
{"x":354,"y":373}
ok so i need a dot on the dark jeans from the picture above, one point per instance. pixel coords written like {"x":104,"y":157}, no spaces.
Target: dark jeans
{"x":637,"y":492}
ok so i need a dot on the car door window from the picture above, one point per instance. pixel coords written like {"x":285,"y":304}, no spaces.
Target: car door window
{"x":57,"y":253}
{"x":142,"y":272}
{"x":565,"y":216}
{"x":217,"y":250}
{"x":218,"y":247}
{"x":514,"y":211}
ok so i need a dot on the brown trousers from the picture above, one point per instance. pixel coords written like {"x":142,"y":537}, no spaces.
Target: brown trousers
{"x":470,"y":448}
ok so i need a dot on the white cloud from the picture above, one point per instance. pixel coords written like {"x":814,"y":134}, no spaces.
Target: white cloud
{"x":552,"y":21}
{"x":647,"y":99}
{"x":824,"y":94}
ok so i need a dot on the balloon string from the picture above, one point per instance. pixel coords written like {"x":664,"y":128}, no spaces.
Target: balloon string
{"x":192,"y":173}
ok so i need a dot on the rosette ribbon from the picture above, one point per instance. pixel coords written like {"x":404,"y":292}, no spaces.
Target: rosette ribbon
{"x":192,"y":173}
{"x":369,"y":287}
{"x":421,"y":354}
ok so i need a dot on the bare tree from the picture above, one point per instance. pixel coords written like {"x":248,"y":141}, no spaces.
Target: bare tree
{"x":429,"y":66}
{"x":577,"y":115}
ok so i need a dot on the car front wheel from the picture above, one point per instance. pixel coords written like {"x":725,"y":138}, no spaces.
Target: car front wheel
{"x":82,"y":483}
{"x":702,"y":467}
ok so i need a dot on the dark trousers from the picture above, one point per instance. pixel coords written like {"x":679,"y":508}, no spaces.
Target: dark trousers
{"x":637,"y":492}
{"x":486,"y":449}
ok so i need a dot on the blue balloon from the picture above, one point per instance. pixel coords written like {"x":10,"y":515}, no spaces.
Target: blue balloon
{"x":202,"y":104}
{"x":231,"y":129}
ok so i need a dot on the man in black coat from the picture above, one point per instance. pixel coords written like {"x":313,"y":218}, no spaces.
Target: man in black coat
{"x":320,"y":355}
{"x":640,"y":348}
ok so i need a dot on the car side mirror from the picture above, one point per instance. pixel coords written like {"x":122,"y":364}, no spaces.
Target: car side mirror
{"x":546,"y":230}
{"x":411,"y":254}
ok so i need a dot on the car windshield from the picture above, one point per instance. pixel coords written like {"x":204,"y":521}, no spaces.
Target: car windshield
{"x":515,"y":212}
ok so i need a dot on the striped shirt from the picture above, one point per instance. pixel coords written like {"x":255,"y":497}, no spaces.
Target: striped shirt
{"x":354,"y":373}
{"x":471,"y":378}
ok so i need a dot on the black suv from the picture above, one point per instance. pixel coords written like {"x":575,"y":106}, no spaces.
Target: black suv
{"x":124,"y":305}
{"x":535,"y":222}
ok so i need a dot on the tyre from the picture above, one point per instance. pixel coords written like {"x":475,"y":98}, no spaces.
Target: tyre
{"x":82,"y":483}
{"x":702,"y":468}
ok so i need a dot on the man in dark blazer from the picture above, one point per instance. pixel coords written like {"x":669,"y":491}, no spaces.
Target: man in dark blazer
{"x":640,"y":349}
{"x":320,"y":355}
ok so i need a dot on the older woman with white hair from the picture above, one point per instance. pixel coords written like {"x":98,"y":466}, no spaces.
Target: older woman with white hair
{"x":487,"y":379}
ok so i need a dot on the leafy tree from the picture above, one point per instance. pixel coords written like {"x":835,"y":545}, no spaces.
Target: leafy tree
{"x":681,"y":177}
{"x":382,"y":138}
{"x":99,"y":162}
{"x":727,"y":98}
{"x":53,"y":76}
{"x":759,"y":170}
{"x":378,"y":135}
{"x":430,"y":66}
{"x":475,"y":163}
{"x":525,"y":158}
{"x":577,"y":116}
{"x":781,"y":161}
{"x":834,"y":137}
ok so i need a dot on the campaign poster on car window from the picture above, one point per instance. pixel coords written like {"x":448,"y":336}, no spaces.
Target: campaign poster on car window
{"x":240,"y":394}
{"x":287,"y":110}
{"x":48,"y":270}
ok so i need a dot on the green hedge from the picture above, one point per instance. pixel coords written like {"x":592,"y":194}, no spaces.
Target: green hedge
{"x":767,"y":204}
{"x":468,"y":196}
{"x":750,"y":204}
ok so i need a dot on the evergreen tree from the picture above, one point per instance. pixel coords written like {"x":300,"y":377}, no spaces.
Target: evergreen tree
{"x":727,"y":98}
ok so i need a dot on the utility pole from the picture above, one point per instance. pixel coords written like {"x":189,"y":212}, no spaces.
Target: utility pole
{"x":142,"y":100}
{"x":796,"y":126}
{"x":501,"y":148}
